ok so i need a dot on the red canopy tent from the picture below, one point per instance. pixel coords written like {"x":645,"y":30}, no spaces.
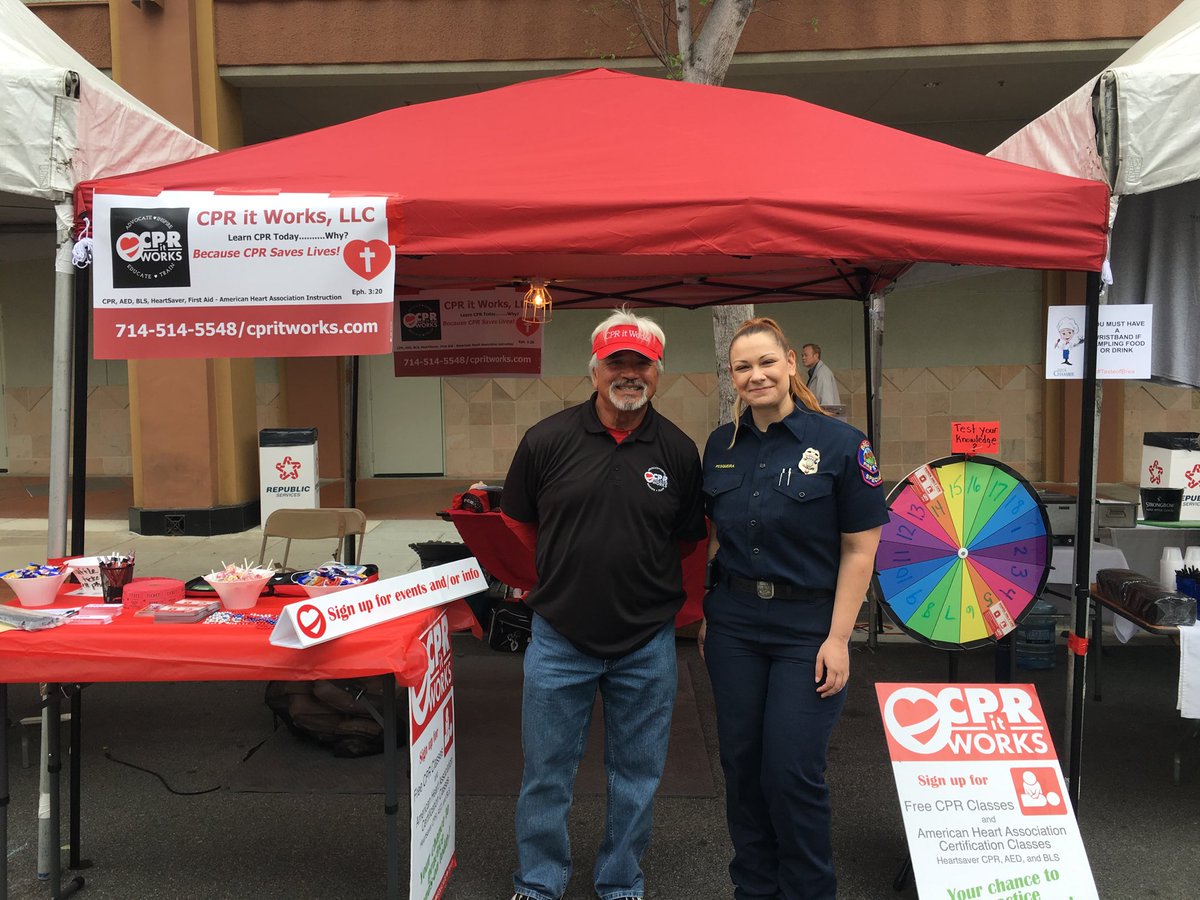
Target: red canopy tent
{"x":615,"y":188}
{"x":621,"y":187}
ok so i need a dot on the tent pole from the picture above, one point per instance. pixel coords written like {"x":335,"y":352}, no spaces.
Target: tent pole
{"x":350,"y":447}
{"x":80,"y":414}
{"x":60,"y":400}
{"x":873,"y":339}
{"x":1089,"y":419}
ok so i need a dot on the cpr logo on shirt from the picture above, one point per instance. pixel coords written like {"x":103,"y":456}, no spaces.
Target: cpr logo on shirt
{"x":656,"y":479}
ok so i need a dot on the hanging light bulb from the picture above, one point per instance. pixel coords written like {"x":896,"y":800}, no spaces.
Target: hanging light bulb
{"x":538,"y":306}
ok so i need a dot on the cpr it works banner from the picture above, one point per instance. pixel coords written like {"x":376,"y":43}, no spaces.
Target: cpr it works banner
{"x":985,"y":809}
{"x":431,"y":769}
{"x":195,"y":274}
{"x":465,"y":333}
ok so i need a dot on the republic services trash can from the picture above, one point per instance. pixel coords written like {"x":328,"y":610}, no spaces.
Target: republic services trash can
{"x":287,"y":469}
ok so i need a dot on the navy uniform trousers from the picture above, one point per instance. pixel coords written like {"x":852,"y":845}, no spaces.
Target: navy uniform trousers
{"x":774,"y":732}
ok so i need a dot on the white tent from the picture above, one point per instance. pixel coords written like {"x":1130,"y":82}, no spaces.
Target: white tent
{"x":1135,"y":126}
{"x":63,"y":121}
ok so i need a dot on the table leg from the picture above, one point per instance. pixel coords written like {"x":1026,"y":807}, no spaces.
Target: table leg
{"x":1097,"y":648}
{"x":391,"y":806}
{"x":54,"y":766}
{"x":76,"y":776}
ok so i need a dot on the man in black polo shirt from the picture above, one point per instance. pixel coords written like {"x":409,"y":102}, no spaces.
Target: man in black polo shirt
{"x":611,"y":489}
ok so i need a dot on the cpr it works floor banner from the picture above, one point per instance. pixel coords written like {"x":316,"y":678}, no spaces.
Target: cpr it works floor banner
{"x":985,"y":809}
{"x":431,"y":767}
{"x":195,"y":274}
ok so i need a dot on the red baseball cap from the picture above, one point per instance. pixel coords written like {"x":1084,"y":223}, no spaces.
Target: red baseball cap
{"x":616,"y":338}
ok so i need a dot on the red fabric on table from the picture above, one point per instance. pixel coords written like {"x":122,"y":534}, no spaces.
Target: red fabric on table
{"x":506,"y":558}
{"x":136,"y":648}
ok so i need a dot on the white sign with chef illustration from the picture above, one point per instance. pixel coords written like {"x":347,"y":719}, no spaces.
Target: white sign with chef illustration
{"x":1123,"y":342}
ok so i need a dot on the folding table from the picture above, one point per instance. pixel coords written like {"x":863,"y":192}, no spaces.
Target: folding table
{"x":134,"y":648}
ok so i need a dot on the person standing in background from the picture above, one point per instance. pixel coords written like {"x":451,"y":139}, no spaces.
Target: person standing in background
{"x":820,"y":377}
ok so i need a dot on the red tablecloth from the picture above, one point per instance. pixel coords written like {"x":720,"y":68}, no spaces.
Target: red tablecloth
{"x":506,"y":558}
{"x":135,"y":648}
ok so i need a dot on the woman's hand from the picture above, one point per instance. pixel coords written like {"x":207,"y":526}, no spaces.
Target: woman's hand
{"x":833,"y":665}
{"x":700,"y":636}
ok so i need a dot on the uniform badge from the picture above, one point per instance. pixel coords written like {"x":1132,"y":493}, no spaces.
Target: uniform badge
{"x":656,"y":478}
{"x":809,"y":461}
{"x":869,"y":465}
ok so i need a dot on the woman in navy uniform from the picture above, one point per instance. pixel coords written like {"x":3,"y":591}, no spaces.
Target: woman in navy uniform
{"x":795,"y":500}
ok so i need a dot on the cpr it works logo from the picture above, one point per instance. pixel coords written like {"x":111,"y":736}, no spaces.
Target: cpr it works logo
{"x":656,"y":478}
{"x":150,"y":247}
{"x":420,"y":320}
{"x":953,"y":722}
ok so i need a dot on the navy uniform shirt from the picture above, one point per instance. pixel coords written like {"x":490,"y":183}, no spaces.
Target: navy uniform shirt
{"x":781,"y":499}
{"x":609,"y":517}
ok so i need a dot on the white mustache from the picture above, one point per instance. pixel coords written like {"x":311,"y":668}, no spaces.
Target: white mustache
{"x":635,"y":383}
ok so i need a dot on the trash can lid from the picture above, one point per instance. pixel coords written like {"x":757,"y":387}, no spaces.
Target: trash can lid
{"x":1172,"y":440}
{"x":286,"y":437}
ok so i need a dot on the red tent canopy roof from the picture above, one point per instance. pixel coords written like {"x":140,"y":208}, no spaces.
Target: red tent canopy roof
{"x":640,"y":188}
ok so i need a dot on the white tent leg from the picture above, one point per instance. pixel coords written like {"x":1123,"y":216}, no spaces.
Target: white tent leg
{"x":60,"y":400}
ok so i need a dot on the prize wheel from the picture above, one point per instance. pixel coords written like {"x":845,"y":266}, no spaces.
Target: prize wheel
{"x":965,"y":552}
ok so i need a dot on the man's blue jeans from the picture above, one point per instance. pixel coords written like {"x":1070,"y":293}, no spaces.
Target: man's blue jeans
{"x":638,"y":692}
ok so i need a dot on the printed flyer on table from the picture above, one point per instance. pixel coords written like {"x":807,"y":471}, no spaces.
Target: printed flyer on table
{"x":197,"y":274}
{"x":985,"y":808}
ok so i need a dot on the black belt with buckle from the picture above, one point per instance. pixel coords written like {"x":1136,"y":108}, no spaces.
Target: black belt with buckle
{"x":776,"y":590}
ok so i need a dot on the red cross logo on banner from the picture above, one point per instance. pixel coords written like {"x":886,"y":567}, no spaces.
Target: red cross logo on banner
{"x":366,"y":259}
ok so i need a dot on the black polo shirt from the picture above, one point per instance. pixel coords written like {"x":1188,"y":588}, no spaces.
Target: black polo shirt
{"x":608,"y":518}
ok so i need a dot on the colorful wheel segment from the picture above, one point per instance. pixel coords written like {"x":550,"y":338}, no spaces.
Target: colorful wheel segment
{"x":965,"y":552}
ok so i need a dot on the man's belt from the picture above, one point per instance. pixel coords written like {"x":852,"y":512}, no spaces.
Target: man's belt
{"x":776,"y":590}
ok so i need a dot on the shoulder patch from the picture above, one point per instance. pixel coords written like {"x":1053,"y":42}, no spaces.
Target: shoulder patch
{"x":868,"y":465}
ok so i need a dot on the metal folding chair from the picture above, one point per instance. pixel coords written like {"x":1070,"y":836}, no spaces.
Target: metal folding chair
{"x":313,"y":524}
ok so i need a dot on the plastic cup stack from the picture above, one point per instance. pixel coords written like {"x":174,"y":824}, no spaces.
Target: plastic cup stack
{"x":1172,"y":561}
